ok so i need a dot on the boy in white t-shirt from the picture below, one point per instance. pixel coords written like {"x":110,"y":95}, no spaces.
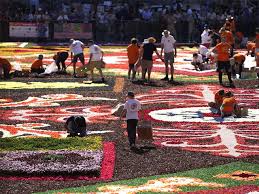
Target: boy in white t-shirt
{"x":197,"y":61}
{"x":131,"y":107}
{"x":77,"y":52}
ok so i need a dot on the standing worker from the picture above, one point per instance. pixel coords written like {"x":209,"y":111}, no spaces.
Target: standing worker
{"x":169,"y":48}
{"x":77,"y":52}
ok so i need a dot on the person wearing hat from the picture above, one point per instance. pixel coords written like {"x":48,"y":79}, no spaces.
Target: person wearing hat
{"x":146,"y":58}
{"x":131,"y":108}
{"x":77,"y":52}
{"x":169,"y":48}
{"x":37,"y":65}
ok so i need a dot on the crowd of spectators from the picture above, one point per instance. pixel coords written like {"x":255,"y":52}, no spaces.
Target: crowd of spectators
{"x":120,"y":21}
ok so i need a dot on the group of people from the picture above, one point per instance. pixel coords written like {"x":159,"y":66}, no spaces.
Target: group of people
{"x":219,"y":47}
{"x":142,"y":56}
{"x":59,"y":66}
{"x":225,"y":104}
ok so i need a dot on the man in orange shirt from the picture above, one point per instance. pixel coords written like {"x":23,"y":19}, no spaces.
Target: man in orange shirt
{"x":222,"y":50}
{"x":133,"y":55}
{"x":238,"y":62}
{"x":37,"y":66}
{"x":218,"y":99}
{"x":229,"y":39}
{"x":229,"y":105}
{"x":6,"y":67}
{"x":250,"y":46}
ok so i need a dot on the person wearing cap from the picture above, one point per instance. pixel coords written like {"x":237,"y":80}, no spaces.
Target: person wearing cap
{"x":133,"y":55}
{"x":145,"y":59}
{"x":169,"y":48}
{"x":131,"y":108}
{"x":95,"y":60}
{"x":77,"y":52}
{"x":6,"y":67}
{"x":37,"y":65}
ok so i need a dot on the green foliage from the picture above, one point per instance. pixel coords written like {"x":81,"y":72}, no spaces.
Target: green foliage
{"x":47,"y":143}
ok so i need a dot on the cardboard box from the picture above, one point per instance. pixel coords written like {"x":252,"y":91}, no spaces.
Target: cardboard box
{"x":145,"y":130}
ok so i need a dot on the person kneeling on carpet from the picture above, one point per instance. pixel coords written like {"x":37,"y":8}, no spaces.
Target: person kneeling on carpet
{"x":218,"y":99}
{"x":229,"y":105}
{"x":237,"y":64}
{"x":197,"y":61}
{"x":76,"y":126}
{"x":37,"y":65}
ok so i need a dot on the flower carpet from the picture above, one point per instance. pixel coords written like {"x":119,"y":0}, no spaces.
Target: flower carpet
{"x":206,"y":180}
{"x":193,"y":150}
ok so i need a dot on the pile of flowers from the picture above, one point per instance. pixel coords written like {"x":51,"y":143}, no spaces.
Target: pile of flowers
{"x":61,"y":162}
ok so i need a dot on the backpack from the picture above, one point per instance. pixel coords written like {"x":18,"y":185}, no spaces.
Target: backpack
{"x":76,"y":126}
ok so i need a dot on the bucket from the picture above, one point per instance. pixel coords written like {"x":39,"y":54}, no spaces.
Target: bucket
{"x":144,"y":130}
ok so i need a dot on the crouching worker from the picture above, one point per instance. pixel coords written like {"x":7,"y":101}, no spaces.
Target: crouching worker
{"x":237,"y":63}
{"x":5,"y":67}
{"x":76,"y":126}
{"x":229,"y":105}
{"x":197,"y":61}
{"x":61,"y":57}
{"x":37,"y":65}
{"x":218,"y":101}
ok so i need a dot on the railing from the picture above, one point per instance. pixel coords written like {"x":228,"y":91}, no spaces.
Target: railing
{"x":117,"y":32}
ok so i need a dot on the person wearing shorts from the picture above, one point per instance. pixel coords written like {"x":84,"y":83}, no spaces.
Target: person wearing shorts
{"x":77,"y":52}
{"x":133,"y":55}
{"x":168,"y":46}
{"x":145,"y":58}
{"x":95,"y":60}
{"x":222,"y":49}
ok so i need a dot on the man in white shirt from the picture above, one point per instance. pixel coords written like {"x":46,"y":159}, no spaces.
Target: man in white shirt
{"x":205,"y":38}
{"x":203,"y":50}
{"x":169,"y":48}
{"x":131,"y":107}
{"x":77,"y":52}
{"x":197,"y":61}
{"x":95,"y":60}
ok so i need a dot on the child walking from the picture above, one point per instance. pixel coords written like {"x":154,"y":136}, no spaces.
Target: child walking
{"x":131,"y":107}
